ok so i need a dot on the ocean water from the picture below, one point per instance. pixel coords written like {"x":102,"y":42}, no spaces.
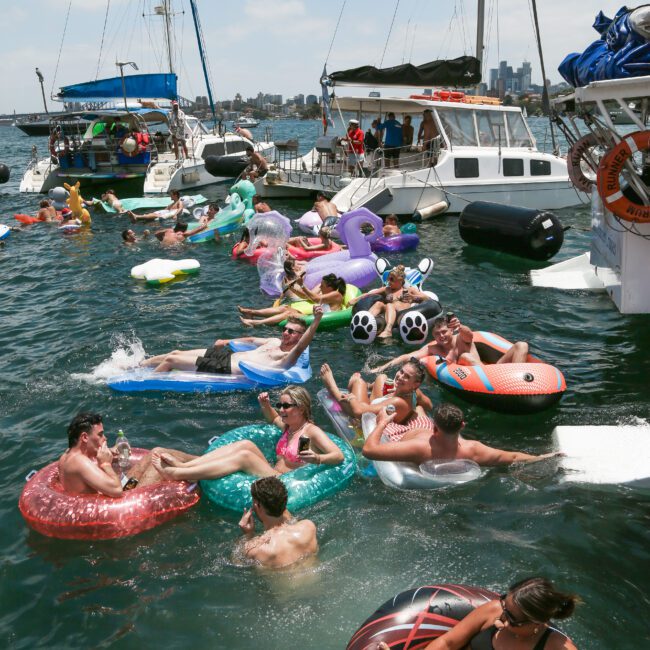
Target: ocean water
{"x":70,"y":314}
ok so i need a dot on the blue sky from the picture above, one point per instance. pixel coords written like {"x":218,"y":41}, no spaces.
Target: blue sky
{"x":276,"y":46}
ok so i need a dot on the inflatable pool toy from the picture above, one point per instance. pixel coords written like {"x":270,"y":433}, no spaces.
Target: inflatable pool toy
{"x":70,"y":228}
{"x":4,"y":173}
{"x":255,"y":376}
{"x":430,"y":475}
{"x":344,"y":425}
{"x":268,"y":230}
{"x":604,"y":455}
{"x":75,"y":202}
{"x":330,"y":320}
{"x":59,"y":197}
{"x":158,"y":271}
{"x":412,"y":324}
{"x":148,"y":203}
{"x":48,"y":510}
{"x":28,"y":219}
{"x":416,"y":617}
{"x":5,"y":231}
{"x":395,"y":244}
{"x":301,"y":254}
{"x":506,"y":387}
{"x":355,"y":265}
{"x":227,"y":220}
{"x":310,"y":222}
{"x":306,"y":485}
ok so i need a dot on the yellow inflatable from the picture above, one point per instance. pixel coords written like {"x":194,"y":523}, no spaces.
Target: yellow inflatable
{"x":75,"y":203}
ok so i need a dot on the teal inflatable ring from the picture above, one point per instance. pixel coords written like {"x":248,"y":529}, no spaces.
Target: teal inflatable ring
{"x":306,"y":485}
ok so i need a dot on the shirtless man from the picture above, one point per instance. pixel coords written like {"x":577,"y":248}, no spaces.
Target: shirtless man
{"x":284,"y":540}
{"x":420,"y":445}
{"x":259,"y":205}
{"x":427,"y":131}
{"x":220,"y":359}
{"x":391,"y":226}
{"x":129,"y":236}
{"x":172,"y":210}
{"x":110,"y":197}
{"x":324,"y":207}
{"x":87,"y":465}
{"x":257,"y":165}
{"x":172,"y":236}
{"x":46,"y":211}
{"x":455,"y":343}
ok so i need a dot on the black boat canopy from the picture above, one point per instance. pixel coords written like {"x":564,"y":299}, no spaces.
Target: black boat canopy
{"x":463,"y":71}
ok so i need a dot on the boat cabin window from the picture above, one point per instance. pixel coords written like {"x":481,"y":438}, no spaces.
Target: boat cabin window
{"x":213,"y":149}
{"x":540,"y":168}
{"x":466,"y":167}
{"x":459,"y":126}
{"x":513,"y":167}
{"x":519,"y":136}
{"x":491,"y":128}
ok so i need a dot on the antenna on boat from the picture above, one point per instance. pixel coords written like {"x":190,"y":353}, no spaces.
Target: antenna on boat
{"x":200,"y":40}
{"x":41,"y":79}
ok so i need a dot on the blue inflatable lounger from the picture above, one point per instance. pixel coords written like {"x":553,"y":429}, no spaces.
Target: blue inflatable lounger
{"x":176,"y":381}
{"x":306,"y":485}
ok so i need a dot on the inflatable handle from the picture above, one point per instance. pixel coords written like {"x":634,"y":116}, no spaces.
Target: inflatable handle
{"x":349,"y":228}
{"x":191,"y":487}
{"x":212,"y":440}
{"x":31,"y":475}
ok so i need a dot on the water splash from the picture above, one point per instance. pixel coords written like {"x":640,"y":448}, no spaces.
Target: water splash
{"x":128,"y":352}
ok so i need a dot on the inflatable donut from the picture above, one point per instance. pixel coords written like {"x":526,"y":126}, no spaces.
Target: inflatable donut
{"x":50,"y":511}
{"x":414,"y":618}
{"x":395,"y":243}
{"x":301,"y":254}
{"x":506,"y":387}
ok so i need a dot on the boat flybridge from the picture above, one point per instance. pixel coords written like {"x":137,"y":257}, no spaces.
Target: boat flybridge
{"x":484,"y":152}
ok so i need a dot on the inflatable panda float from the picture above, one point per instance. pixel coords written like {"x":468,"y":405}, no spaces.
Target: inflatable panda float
{"x":411,"y":324}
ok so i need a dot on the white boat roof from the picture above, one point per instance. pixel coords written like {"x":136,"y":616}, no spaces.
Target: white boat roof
{"x":406,"y":104}
{"x":609,"y":89}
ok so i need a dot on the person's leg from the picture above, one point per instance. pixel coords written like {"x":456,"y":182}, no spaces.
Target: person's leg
{"x":146,"y":473}
{"x":266,"y":311}
{"x":179,"y":360}
{"x":327,"y":377}
{"x":270,"y":320}
{"x":377,"y":308}
{"x":518,"y":353}
{"x":358,"y":387}
{"x":215,"y":454}
{"x":378,"y":387}
{"x":390,"y":315}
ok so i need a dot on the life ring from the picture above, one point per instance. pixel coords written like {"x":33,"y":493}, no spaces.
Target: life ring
{"x":50,"y":511}
{"x":54,"y":138}
{"x":575,"y":157}
{"x":608,"y":181}
{"x":126,"y":152}
{"x":505,"y":387}
{"x":415,"y":617}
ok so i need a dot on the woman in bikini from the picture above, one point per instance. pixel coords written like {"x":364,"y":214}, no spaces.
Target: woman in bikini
{"x":331,"y":292}
{"x":519,"y":619}
{"x":292,"y":414}
{"x":404,"y":393}
{"x":395,"y":298}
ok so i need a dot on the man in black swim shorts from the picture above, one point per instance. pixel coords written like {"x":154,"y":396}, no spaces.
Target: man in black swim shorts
{"x":216,"y":360}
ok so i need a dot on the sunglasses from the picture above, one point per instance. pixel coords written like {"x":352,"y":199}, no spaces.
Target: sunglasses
{"x":285,"y":405}
{"x":290,"y":330}
{"x":512,"y":621}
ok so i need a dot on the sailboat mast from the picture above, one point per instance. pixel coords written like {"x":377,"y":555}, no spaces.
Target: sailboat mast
{"x":199,"y":38}
{"x":480,"y":28}
{"x":166,"y":11}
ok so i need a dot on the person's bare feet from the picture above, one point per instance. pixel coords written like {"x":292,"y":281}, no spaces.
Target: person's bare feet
{"x":386,"y":334}
{"x":327,"y":377}
{"x":157,"y":464}
{"x":247,"y":322}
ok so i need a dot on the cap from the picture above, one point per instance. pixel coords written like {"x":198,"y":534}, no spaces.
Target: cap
{"x":65,"y":212}
{"x":174,"y":102}
{"x":353,"y":121}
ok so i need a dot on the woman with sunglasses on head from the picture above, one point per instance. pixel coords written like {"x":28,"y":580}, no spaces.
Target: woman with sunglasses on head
{"x":331,"y":293}
{"x":395,"y":298}
{"x":292,"y":414}
{"x":519,"y":620}
{"x":403,"y":393}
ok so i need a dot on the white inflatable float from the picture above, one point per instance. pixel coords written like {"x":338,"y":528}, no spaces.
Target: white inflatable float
{"x":159,"y":271}
{"x":5,"y":231}
{"x":604,"y":454}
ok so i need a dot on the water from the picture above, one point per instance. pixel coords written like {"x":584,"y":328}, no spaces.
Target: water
{"x":70,"y":314}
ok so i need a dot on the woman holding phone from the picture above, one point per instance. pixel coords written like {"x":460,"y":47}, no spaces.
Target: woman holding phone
{"x":292,"y":414}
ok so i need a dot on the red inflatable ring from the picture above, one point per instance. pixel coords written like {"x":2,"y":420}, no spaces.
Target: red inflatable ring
{"x":609,"y":185}
{"x":49,"y":510}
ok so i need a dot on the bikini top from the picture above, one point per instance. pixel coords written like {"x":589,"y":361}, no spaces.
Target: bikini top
{"x":483,"y":640}
{"x":289,"y":450}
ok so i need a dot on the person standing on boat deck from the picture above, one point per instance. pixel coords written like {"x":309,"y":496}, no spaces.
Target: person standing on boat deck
{"x":407,"y":132}
{"x":427,"y":132}
{"x":355,"y":147}
{"x":257,"y":165}
{"x":177,"y":129}
{"x":285,"y":540}
{"x":393,"y":139}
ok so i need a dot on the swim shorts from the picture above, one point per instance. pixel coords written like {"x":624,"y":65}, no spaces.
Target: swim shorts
{"x":215,"y":361}
{"x":391,"y":152}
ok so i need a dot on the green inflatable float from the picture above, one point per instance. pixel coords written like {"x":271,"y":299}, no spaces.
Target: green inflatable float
{"x":306,"y":485}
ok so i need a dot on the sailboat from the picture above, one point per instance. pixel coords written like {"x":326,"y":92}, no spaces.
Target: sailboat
{"x":132,"y":142}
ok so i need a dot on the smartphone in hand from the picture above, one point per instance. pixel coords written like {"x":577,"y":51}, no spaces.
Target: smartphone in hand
{"x":303,"y":443}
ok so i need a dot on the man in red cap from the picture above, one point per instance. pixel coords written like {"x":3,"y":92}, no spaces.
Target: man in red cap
{"x":355,"y":147}
{"x":177,"y":129}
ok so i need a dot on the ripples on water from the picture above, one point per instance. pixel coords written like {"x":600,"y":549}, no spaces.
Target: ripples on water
{"x":70,"y":313}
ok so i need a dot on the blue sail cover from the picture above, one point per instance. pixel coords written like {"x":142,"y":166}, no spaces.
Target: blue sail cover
{"x":621,"y":52}
{"x":159,"y":86}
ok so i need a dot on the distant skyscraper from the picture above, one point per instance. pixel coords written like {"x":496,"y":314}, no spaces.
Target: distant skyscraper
{"x":311,"y":99}
{"x":299,"y":100}
{"x":494,"y":75}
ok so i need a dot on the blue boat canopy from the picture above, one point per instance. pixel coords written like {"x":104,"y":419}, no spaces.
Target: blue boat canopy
{"x":151,"y":86}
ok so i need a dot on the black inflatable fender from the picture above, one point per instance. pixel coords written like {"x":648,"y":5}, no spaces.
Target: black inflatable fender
{"x":229,"y":166}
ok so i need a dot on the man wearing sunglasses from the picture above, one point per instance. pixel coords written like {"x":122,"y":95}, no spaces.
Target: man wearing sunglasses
{"x":221,"y":359}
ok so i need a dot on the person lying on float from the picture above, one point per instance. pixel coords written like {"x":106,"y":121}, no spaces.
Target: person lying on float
{"x":303,"y":242}
{"x":396,"y":297}
{"x":86,"y":467}
{"x":331,"y":292}
{"x":403,"y":394}
{"x":220,"y":359}
{"x":285,"y":540}
{"x":444,"y":442}
{"x":455,"y":344}
{"x":175,"y":208}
